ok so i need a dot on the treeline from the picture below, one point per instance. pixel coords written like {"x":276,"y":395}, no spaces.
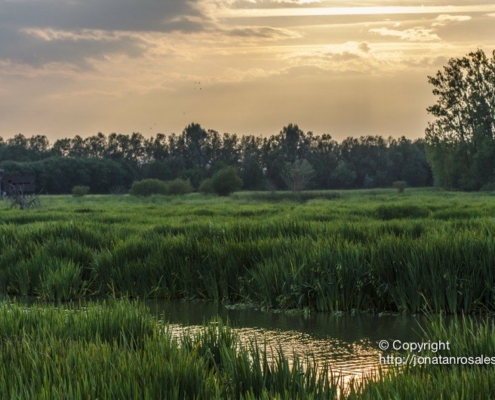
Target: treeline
{"x":111,"y":163}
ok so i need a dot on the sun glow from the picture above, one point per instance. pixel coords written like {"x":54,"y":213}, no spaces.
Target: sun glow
{"x":336,"y":11}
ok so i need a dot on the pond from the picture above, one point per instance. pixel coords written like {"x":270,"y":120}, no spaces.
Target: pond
{"x":347,"y":343}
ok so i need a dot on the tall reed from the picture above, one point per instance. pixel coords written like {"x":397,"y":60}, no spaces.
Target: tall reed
{"x":361,"y":251}
{"x":467,"y":337}
{"x":117,"y":350}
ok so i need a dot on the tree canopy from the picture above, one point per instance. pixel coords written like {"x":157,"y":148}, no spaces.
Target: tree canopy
{"x":111,"y":163}
{"x":460,"y":142}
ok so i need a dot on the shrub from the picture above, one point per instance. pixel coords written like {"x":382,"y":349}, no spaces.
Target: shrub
{"x":400,"y":186}
{"x":226,"y":181}
{"x":206,"y":186}
{"x":148,"y":187}
{"x":80,"y":191}
{"x":488,"y":187}
{"x":179,"y":186}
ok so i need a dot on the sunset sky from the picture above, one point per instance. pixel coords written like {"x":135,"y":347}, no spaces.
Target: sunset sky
{"x":78,"y":67}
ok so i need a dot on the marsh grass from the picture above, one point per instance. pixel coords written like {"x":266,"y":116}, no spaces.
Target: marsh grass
{"x":301,"y":196}
{"x":117,"y":350}
{"x":377,"y":250}
{"x":468,"y":337}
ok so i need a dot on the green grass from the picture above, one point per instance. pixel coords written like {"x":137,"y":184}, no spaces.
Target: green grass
{"x":334,"y":251}
{"x":117,"y":350}
{"x":370,"y":250}
{"x":468,"y":338}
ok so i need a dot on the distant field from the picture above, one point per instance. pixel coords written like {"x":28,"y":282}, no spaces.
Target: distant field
{"x":327,"y":251}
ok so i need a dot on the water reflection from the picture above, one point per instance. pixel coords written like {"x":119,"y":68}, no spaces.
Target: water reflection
{"x":346,"y":343}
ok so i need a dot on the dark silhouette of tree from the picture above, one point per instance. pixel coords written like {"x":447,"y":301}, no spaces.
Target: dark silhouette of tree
{"x":197,"y":154}
{"x":461,"y":143}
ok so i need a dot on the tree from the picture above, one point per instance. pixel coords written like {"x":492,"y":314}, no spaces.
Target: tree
{"x":192,"y":141}
{"x":460,"y":142}
{"x":344,"y":175}
{"x":252,"y":173}
{"x":226,"y":181}
{"x":291,"y":137}
{"x":299,"y":174}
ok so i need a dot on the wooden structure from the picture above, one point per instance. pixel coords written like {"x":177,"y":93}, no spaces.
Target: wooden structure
{"x":18,"y":183}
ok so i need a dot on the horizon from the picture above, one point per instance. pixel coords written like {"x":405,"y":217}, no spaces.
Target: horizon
{"x":246,"y":67}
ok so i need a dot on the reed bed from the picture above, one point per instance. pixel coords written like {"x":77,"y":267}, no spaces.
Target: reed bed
{"x":365,"y":250}
{"x":117,"y":350}
{"x":468,"y":337}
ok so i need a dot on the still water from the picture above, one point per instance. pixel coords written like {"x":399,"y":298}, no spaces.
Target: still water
{"x":347,"y":343}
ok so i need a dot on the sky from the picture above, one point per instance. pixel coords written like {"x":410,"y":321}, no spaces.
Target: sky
{"x":250,"y":67}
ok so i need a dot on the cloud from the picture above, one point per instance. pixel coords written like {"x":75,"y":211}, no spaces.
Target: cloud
{"x":37,"y":47}
{"x":278,"y":3}
{"x":73,"y":31}
{"x":444,"y":19}
{"x":417,"y":34}
{"x":250,"y":9}
{"x":49,"y":34}
{"x":128,"y":15}
{"x":344,"y":56}
{"x":348,"y":57}
{"x":364,"y":47}
{"x":267,"y":4}
{"x":263,"y":32}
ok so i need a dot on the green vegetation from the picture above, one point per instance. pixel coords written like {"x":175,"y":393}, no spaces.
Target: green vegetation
{"x":206,"y":186}
{"x":117,"y":350}
{"x":467,"y":338}
{"x":298,"y":175}
{"x":400,"y":186}
{"x":460,"y":141}
{"x":365,"y":250}
{"x":80,"y":191}
{"x":291,"y":159}
{"x":179,"y":187}
{"x":148,"y":187}
{"x":226,"y":181}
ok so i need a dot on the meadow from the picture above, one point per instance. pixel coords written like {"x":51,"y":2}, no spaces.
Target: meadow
{"x":117,"y":349}
{"x":462,"y":379}
{"x":422,"y":251}
{"x":373,"y":250}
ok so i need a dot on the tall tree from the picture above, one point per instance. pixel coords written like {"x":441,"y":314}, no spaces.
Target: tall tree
{"x":193,"y":142}
{"x":461,"y":143}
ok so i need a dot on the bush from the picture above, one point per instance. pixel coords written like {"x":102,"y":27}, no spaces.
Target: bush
{"x":80,"y":191}
{"x":488,"y":187}
{"x":400,"y":186}
{"x":226,"y":181}
{"x":206,"y":186}
{"x":148,"y":187}
{"x":179,"y":186}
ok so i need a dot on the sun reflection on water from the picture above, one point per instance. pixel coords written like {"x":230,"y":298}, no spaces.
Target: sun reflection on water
{"x":347,"y":362}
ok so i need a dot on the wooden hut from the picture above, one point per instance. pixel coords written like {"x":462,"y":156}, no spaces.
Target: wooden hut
{"x":23,"y":183}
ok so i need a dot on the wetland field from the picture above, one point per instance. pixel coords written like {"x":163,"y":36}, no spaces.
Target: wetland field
{"x":89,"y":266}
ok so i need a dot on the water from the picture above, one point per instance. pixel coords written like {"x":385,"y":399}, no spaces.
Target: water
{"x":347,"y":343}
